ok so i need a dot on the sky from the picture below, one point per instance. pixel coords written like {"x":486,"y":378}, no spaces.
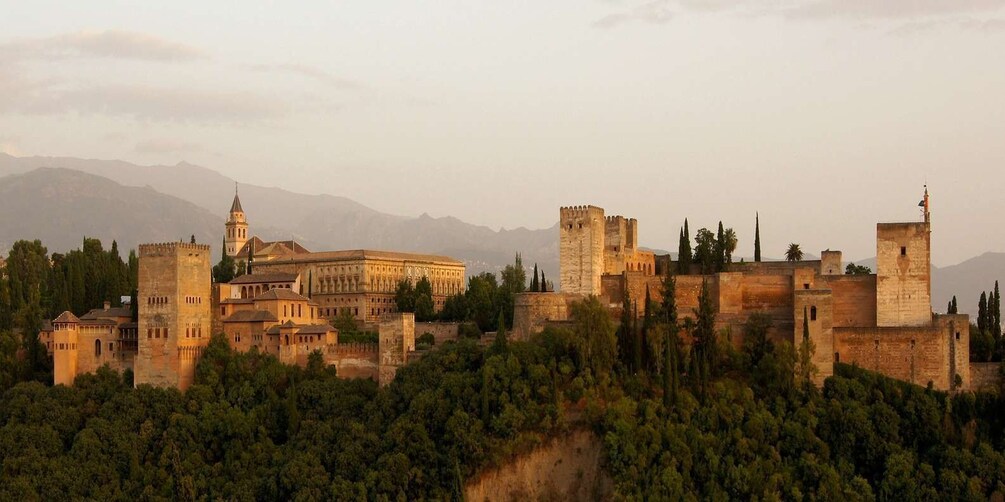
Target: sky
{"x":823,"y":116}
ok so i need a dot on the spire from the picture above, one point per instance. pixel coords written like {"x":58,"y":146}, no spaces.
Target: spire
{"x":236,"y":206}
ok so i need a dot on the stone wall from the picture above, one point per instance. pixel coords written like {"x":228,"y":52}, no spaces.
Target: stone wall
{"x":354,"y":360}
{"x":986,"y":376}
{"x":854,"y":300}
{"x":903,"y":274}
{"x":915,"y":354}
{"x":815,"y":307}
{"x":442,"y":331}
{"x":532,"y":312}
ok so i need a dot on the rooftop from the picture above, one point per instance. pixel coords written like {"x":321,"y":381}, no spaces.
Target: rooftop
{"x":264,"y":278}
{"x":370,"y":254}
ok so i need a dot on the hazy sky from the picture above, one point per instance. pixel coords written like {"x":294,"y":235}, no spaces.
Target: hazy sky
{"x":826,"y":116}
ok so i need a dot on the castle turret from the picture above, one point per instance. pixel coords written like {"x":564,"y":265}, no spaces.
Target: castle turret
{"x":237,"y":227}
{"x":65,"y":334}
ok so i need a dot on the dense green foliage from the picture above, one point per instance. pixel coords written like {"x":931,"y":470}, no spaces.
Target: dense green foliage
{"x":986,"y":342}
{"x":853,"y":269}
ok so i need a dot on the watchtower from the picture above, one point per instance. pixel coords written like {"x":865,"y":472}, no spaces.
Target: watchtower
{"x":174,"y":298}
{"x":903,"y":272}
{"x":581,"y":249}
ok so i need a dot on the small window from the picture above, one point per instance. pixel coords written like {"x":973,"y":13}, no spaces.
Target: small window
{"x":903,"y":251}
{"x":957,"y":336}
{"x":806,"y":285}
{"x":813,"y":313}
{"x":837,"y":357}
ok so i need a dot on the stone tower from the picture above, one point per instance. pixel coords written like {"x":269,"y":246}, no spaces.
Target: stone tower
{"x":581,"y":249}
{"x":237,"y":227}
{"x":903,"y":272}
{"x":174,"y":312}
{"x":65,"y":336}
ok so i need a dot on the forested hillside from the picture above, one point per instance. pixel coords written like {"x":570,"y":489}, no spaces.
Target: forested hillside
{"x":746,"y":426}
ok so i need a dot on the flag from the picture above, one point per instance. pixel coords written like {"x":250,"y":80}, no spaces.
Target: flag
{"x":922,"y":203}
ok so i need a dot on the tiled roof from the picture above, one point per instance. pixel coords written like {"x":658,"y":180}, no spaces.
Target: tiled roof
{"x":237,"y":301}
{"x":66,"y":316}
{"x":357,"y":254}
{"x":251,"y":316}
{"x":280,"y":294}
{"x":236,"y":206}
{"x":112,"y":312}
{"x":264,"y":278}
{"x":314,"y":329}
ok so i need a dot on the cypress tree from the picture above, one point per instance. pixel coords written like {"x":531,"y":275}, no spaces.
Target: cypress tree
{"x":626,"y":349}
{"x":681,"y":253}
{"x":955,"y":308}
{"x":720,"y":249}
{"x":637,"y":339}
{"x":982,"y":313}
{"x":499,"y":346}
{"x":996,"y":314}
{"x":687,"y":244}
{"x":544,"y":283}
{"x":757,"y":237}
{"x":251,"y":257}
{"x":535,"y":284}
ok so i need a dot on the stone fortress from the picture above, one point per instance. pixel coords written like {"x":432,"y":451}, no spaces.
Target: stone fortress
{"x":283,"y":308}
{"x":881,"y":322}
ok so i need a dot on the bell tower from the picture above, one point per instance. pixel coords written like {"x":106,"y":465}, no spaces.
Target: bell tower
{"x":237,"y":227}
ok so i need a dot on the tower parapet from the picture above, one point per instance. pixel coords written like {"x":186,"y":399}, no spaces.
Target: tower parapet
{"x":581,"y":249}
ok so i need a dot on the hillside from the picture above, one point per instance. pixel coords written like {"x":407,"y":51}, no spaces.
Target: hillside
{"x":62,"y":206}
{"x":321,"y":222}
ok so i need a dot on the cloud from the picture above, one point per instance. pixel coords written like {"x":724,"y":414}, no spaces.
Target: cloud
{"x":136,"y":101}
{"x":311,"y":73}
{"x":100,"y":44}
{"x":848,"y":9}
{"x":165,"y":145}
{"x":655,"y":12}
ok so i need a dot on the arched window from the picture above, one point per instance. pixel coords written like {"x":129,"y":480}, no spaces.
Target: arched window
{"x":97,"y":348}
{"x":287,"y":339}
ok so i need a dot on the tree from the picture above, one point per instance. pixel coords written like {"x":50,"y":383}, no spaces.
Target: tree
{"x":545,"y":285}
{"x":424,"y":307}
{"x":499,"y":345}
{"x":720,"y":249}
{"x":804,"y":365}
{"x":729,"y":244}
{"x":535,"y":284}
{"x":704,"y":351}
{"x":344,"y":321}
{"x":996,"y":314}
{"x":684,"y":251}
{"x":404,"y":296}
{"x":757,"y":237}
{"x":705,"y":250}
{"x":251,"y":257}
{"x":793,"y":253}
{"x":596,"y":343}
{"x":952,"y":309}
{"x":455,"y":308}
{"x":982,"y":313}
{"x":224,"y":270}
{"x":192,"y":240}
{"x":853,"y":269}
{"x":482,"y":298}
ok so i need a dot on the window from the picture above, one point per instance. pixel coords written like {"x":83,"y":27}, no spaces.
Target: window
{"x":903,"y":251}
{"x":806,"y":285}
{"x":837,"y":357}
{"x":813,"y":313}
{"x":957,"y":336}
{"x":97,"y":348}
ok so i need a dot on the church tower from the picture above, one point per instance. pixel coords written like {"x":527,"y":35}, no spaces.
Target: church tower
{"x":237,"y":227}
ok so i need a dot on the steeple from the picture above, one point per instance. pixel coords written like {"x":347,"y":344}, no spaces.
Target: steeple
{"x":235,"y":207}
{"x":237,"y":227}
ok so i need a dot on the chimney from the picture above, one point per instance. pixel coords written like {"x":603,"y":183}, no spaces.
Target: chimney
{"x":108,"y":305}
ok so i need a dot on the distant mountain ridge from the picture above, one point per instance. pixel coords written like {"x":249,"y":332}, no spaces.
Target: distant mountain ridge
{"x":320,"y":222}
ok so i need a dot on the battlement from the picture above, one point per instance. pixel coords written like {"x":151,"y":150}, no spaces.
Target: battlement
{"x":572,"y":212}
{"x":170,"y":247}
{"x":354,"y":348}
{"x":618,"y":217}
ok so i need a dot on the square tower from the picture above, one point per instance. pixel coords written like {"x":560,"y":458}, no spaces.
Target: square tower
{"x":175,"y":315}
{"x":581,"y":249}
{"x":903,"y":274}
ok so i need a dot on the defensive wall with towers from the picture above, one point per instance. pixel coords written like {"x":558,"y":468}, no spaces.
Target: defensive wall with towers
{"x":882,"y":322}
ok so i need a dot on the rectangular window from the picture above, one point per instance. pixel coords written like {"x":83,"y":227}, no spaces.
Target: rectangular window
{"x":903,"y":251}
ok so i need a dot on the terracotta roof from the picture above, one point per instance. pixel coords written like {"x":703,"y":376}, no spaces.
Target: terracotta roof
{"x":238,"y":301}
{"x":98,"y":322}
{"x":260,"y":246}
{"x":251,"y":316}
{"x":66,"y":316}
{"x":112,"y":312}
{"x":314,"y":329}
{"x":280,"y":294}
{"x":264,"y":278}
{"x":357,"y":254}
{"x":46,"y":326}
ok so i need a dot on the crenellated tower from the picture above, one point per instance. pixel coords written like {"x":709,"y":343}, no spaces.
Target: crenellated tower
{"x":237,"y":227}
{"x":581,"y":249}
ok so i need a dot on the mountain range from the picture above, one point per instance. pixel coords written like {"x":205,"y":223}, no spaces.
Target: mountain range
{"x":60,"y":200}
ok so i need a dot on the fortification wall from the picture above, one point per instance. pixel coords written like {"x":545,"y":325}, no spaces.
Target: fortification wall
{"x":533,"y":311}
{"x":854,"y":300}
{"x":813,"y":310}
{"x":915,"y":354}
{"x":442,"y":331}
{"x":986,"y":376}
